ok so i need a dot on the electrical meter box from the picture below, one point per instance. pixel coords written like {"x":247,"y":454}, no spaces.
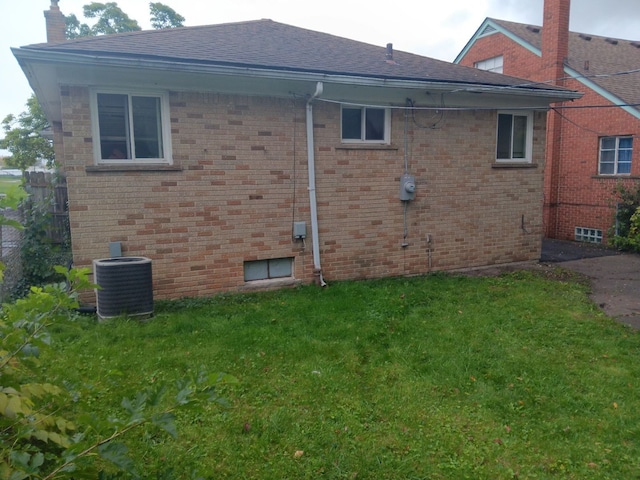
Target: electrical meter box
{"x":299,"y":230}
{"x":407,"y":187}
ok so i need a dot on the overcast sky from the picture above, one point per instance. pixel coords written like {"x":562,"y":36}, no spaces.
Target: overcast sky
{"x":433,"y":28}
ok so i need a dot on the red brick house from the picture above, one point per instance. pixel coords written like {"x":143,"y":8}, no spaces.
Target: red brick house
{"x":590,"y":141}
{"x":259,"y":154}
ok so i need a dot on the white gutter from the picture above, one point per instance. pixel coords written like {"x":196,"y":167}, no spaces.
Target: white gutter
{"x":311,"y":162}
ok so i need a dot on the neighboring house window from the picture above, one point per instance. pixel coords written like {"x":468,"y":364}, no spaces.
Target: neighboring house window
{"x":615,"y":155}
{"x":267,"y":269}
{"x":491,"y":64}
{"x":515,"y":137}
{"x":131,"y":127}
{"x":365,"y":124}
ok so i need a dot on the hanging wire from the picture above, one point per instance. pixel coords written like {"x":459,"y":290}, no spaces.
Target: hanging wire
{"x":479,"y":109}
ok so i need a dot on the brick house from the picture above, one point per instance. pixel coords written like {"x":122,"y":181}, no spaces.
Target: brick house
{"x":258,"y":154}
{"x":589,"y":150}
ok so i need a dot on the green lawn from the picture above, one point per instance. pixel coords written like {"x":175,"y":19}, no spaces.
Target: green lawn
{"x":440,"y":377}
{"x":9,"y":183}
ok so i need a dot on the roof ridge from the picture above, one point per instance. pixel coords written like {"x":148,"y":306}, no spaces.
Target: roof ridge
{"x":151,"y":31}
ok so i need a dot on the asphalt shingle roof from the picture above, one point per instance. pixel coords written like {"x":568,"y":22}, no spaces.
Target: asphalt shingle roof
{"x":601,"y":59}
{"x":271,"y":45}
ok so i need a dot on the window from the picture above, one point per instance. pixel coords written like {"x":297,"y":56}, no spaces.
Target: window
{"x":365,"y":124}
{"x":491,"y":64}
{"x":615,"y":155}
{"x":515,"y":137}
{"x":130,"y":128}
{"x":592,"y":235}
{"x":267,"y":269}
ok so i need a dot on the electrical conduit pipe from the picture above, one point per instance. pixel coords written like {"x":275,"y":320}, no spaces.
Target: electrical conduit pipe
{"x":311,"y":163}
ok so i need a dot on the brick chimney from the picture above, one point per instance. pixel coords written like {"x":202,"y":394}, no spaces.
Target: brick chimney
{"x":55,"y":22}
{"x":555,"y":51}
{"x":555,"y":38}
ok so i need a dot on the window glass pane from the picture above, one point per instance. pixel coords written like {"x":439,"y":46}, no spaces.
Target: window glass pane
{"x":606,"y":168}
{"x":624,"y":155}
{"x":374,"y":126}
{"x":608,"y":156}
{"x":279,"y":267}
{"x":626,"y":142}
{"x":519,"y":136}
{"x":491,"y":64}
{"x":256,"y":270}
{"x":113,"y":120}
{"x":624,"y":167}
{"x":608,"y":143}
{"x":352,"y":123}
{"x":504,"y":136}
{"x":147,"y":127}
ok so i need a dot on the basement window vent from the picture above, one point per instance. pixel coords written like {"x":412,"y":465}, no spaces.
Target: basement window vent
{"x":488,"y":30}
{"x":591,"y":235}
{"x":268,"y":269}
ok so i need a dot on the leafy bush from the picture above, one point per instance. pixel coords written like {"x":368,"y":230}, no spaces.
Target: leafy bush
{"x":41,"y":436}
{"x":627,"y":228}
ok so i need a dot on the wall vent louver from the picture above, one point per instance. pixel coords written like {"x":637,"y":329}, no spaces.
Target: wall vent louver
{"x":488,"y":30}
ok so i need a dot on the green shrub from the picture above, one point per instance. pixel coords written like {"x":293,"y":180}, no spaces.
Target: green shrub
{"x":626,"y":232}
{"x":41,"y":436}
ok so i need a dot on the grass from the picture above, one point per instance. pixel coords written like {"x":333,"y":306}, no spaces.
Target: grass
{"x":441,"y":377}
{"x":10,"y":184}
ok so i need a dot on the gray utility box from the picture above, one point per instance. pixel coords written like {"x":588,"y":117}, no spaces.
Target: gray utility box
{"x":407,"y":187}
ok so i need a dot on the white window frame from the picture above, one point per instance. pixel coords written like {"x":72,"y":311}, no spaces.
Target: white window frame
{"x":493,"y":64}
{"x":165,"y":126}
{"x":362,"y":139}
{"x":616,"y":155}
{"x":528,"y":156}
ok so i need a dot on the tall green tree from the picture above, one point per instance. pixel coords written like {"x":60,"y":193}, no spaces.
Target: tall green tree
{"x":110,"y":19}
{"x":163,"y":16}
{"x":23,"y":139}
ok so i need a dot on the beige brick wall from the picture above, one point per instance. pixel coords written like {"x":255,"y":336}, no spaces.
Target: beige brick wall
{"x":242,"y":181}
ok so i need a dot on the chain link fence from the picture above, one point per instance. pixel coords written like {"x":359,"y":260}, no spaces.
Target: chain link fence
{"x":10,"y":242}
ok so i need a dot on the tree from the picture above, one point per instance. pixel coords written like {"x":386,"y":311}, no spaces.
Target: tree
{"x":111,"y":19}
{"x":163,"y":16}
{"x":23,"y":137}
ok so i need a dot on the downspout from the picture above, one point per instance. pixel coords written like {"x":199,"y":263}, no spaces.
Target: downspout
{"x":311,"y":162}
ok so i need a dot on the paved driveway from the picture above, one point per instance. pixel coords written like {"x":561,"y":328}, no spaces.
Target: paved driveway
{"x":615,"y":276}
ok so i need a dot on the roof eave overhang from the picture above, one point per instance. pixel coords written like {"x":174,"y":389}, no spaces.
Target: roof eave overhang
{"x":46,"y":70}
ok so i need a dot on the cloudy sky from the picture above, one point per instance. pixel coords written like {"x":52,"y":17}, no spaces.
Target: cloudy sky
{"x":433,"y":28}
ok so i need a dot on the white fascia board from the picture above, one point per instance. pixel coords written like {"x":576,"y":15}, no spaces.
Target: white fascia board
{"x":601,"y":91}
{"x":75,"y":63}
